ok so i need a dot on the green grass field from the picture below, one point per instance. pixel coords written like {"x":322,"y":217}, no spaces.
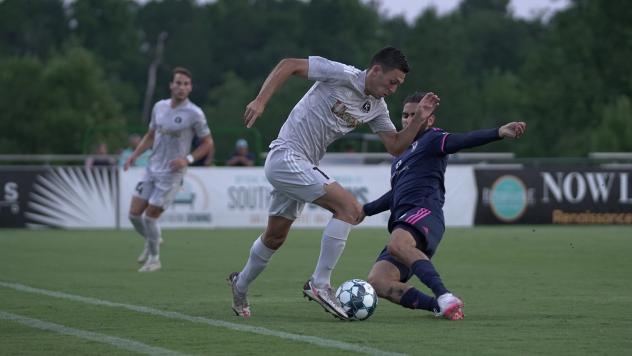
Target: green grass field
{"x":527,"y":291}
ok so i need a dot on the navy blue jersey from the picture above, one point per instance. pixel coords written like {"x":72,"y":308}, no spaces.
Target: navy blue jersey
{"x":418,"y":175}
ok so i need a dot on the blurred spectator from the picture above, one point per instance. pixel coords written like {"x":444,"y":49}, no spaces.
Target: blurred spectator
{"x":100,"y":156}
{"x":349,"y":148}
{"x":241,"y":156}
{"x":133,"y":141}
{"x":208,"y":159}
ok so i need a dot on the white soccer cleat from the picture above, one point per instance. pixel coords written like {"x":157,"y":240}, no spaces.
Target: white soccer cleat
{"x":152,"y":264}
{"x":240,"y":300}
{"x":450,"y":307}
{"x":142,"y":258}
{"x":326,"y":298}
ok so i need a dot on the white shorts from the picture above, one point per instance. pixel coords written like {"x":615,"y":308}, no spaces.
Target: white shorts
{"x":159,"y":190}
{"x":295,"y":181}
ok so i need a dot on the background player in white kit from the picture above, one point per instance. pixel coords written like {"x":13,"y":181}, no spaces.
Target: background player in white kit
{"x":174,"y":122}
{"x":342,"y":98}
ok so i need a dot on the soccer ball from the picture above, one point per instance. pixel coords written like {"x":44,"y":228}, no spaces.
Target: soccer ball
{"x":358,"y":298}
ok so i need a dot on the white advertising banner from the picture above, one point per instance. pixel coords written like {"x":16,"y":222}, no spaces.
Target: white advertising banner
{"x":239,"y":197}
{"x":460,"y":196}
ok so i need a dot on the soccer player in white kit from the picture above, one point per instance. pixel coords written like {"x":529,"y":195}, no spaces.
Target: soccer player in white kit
{"x":173,"y":123}
{"x":342,"y":98}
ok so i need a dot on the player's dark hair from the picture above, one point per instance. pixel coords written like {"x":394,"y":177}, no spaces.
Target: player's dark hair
{"x":180,"y":70}
{"x":414,"y":97}
{"x":390,"y":58}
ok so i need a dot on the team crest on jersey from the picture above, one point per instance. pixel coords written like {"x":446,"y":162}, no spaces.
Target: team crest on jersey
{"x":340,"y":110}
{"x":178,"y":119}
{"x":366,"y":107}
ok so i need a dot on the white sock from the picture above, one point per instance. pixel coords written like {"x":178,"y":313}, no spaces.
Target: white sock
{"x":257,"y":262}
{"x":331,"y":247}
{"x":153,"y":235}
{"x":139,"y":225}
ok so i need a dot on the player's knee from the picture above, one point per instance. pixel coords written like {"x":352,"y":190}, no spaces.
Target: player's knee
{"x":351,"y":214}
{"x":134,"y":217}
{"x":153,"y":213}
{"x":395,"y":248}
{"x":273,"y":240}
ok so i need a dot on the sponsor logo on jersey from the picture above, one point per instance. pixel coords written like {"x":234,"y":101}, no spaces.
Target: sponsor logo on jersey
{"x":166,"y":132}
{"x":340,"y":110}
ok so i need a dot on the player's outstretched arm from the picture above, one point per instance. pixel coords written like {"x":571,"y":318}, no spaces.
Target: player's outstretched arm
{"x":397,"y":142}
{"x":458,"y":141}
{"x":286,"y":68}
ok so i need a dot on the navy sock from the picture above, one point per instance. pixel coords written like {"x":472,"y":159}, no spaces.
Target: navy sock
{"x":415,"y":299}
{"x":428,"y":275}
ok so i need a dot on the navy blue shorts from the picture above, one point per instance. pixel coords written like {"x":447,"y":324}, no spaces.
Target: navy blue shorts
{"x":427,"y":229}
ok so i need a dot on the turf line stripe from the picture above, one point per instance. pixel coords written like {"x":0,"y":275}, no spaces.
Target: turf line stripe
{"x":126,"y":344}
{"x":314,"y":340}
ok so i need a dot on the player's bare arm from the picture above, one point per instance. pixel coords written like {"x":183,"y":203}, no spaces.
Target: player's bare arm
{"x":206,"y":145}
{"x":286,"y":68}
{"x":512,"y":129}
{"x":145,"y":143}
{"x":397,"y":142}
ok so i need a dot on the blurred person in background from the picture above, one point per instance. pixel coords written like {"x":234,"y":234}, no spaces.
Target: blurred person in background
{"x":100,"y":157}
{"x":173,"y":124}
{"x":241,"y":156}
{"x":133,"y":141}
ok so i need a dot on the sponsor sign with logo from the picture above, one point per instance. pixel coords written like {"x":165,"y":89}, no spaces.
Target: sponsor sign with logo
{"x":549,"y":195}
{"x":61,"y":197}
{"x":240,"y":197}
{"x":78,"y":197}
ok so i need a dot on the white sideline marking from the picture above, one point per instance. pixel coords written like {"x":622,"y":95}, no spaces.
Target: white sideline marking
{"x":314,"y":340}
{"x":126,"y":344}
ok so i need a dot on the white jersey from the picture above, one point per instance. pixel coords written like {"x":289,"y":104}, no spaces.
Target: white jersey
{"x":334,"y":106}
{"x":175,"y":128}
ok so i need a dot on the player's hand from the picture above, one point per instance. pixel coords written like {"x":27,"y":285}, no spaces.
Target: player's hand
{"x":129,"y":162}
{"x":253,"y":111}
{"x":178,"y":163}
{"x":361,"y":216}
{"x":426,"y":107}
{"x":512,"y":129}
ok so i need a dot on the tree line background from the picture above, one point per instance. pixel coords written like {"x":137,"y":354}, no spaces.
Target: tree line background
{"x":72,"y":73}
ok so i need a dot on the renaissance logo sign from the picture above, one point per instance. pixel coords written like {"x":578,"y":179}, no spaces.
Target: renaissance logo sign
{"x":557,"y":195}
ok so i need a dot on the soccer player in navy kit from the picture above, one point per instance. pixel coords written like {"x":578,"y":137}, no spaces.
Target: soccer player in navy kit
{"x":416,"y":223}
